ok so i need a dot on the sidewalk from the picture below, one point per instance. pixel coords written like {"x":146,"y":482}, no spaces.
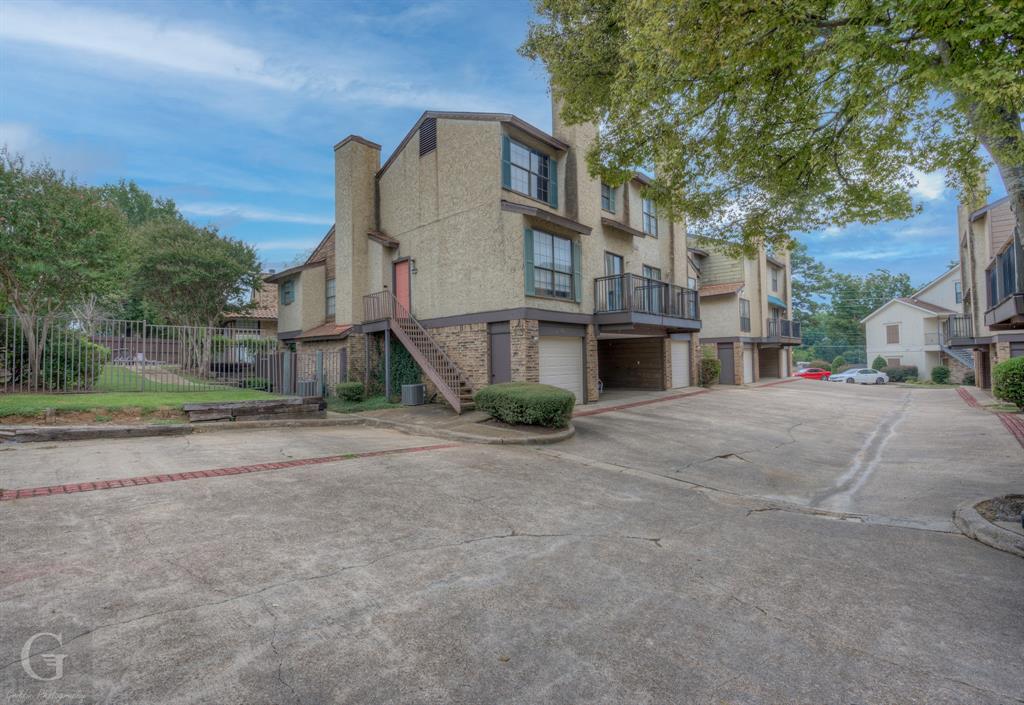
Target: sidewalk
{"x":473,"y":426}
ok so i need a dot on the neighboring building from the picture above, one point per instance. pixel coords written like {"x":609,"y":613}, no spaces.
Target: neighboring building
{"x":746,"y":313}
{"x":262,"y":317}
{"x":908,"y":330}
{"x":990,"y":328}
{"x":485,"y":247}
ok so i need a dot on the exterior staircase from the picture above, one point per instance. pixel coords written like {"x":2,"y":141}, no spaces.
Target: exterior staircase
{"x":964,"y":357}
{"x":451,"y":382}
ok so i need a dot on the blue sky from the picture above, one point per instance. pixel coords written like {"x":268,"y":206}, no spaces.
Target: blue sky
{"x":232,"y":108}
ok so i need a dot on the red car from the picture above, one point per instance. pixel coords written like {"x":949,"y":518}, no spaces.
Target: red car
{"x":814,"y":373}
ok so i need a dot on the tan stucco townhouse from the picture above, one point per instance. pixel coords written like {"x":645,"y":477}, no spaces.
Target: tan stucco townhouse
{"x":484,"y":246}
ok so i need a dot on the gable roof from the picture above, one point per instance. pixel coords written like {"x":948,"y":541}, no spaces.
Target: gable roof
{"x":326,"y":331}
{"x":719,"y":289}
{"x":507,"y":118}
{"x":265,"y":308}
{"x":986,"y":208}
{"x":954,"y":269}
{"x":912,"y":302}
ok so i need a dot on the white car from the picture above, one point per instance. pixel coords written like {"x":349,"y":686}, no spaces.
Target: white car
{"x":862,"y":375}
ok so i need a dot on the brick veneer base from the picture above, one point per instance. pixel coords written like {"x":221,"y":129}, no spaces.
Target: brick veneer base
{"x":71,"y":488}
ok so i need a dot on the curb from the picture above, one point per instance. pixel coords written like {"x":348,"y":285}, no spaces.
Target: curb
{"x":42,"y":434}
{"x":973,"y":525}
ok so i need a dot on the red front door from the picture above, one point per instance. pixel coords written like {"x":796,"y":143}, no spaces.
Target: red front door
{"x":402,"y":284}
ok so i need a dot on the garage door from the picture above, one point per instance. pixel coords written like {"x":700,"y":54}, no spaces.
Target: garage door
{"x":680,"y":363}
{"x":748,"y":364}
{"x":561,"y":363}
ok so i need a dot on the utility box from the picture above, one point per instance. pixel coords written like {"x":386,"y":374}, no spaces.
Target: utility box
{"x":414,"y":394}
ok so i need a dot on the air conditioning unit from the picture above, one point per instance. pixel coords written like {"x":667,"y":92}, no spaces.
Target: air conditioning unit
{"x":414,"y":394}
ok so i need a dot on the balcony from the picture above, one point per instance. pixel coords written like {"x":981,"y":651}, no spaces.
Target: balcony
{"x":1007,"y":314}
{"x":958,"y":330}
{"x":782,"y":330}
{"x":632,"y":300}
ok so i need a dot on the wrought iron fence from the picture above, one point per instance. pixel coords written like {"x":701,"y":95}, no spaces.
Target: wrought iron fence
{"x":63,"y":355}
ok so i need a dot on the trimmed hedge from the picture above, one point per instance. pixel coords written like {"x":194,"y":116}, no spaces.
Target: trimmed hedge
{"x":1008,"y":381}
{"x":525,"y":403}
{"x":821,"y":364}
{"x":900,"y":373}
{"x":940,"y":374}
{"x":350,"y":391}
{"x":878,"y":363}
{"x":838,"y":363}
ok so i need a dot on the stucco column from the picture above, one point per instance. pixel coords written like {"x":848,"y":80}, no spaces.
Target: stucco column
{"x":356,"y":161}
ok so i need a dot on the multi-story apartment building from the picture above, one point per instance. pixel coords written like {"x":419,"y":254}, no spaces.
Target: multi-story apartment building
{"x":991,"y":326}
{"x":746,"y":313}
{"x":485,"y":247}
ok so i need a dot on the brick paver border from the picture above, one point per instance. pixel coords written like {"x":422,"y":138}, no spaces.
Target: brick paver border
{"x":967,"y":397}
{"x":1014,"y":423}
{"x":781,"y":381}
{"x":73,"y":487}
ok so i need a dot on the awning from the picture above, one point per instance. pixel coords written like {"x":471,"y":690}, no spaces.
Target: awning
{"x":776,"y":301}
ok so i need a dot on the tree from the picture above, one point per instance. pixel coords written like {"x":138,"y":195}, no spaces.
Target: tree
{"x":811,"y":281}
{"x":59,"y":244}
{"x":879,"y":363}
{"x":190,"y":275}
{"x":764,"y":118}
{"x":139,"y":207}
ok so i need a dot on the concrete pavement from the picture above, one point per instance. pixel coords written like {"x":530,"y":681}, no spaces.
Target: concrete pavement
{"x":575,"y":573}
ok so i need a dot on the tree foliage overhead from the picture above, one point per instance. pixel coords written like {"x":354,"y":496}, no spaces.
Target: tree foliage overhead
{"x":762,"y":117}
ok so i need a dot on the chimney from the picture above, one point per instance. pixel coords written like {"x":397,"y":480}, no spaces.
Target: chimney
{"x":582,"y":193}
{"x":356,"y":162}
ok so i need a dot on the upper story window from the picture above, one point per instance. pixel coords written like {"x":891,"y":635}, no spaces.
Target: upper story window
{"x":529,"y":172}
{"x":607,"y":198}
{"x":286,"y":292}
{"x":892,"y":334}
{"x":958,"y":292}
{"x":553,"y":266}
{"x":691,"y":283}
{"x":775,"y":279}
{"x":330,"y":297}
{"x":650,"y":217}
{"x":744,"y":315}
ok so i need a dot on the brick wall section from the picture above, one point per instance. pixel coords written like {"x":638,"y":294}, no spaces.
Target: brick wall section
{"x":737,"y":362}
{"x":1000,"y":353}
{"x":757,"y":362}
{"x":695,"y":354}
{"x":524,"y":335}
{"x":590,"y":343}
{"x":666,"y":363}
{"x":957,"y":369}
{"x":357,"y":357}
{"x":468,"y":347}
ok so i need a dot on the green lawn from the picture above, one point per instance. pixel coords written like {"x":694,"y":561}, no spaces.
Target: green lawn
{"x":120,"y":378}
{"x":351,"y":407}
{"x":30,"y":404}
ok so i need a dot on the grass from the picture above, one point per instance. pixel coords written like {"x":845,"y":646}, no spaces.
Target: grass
{"x":31,"y":404}
{"x":369,"y":404}
{"x":120,"y":378}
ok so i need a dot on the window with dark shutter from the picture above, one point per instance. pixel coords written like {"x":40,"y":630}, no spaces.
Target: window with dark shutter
{"x":428,"y":136}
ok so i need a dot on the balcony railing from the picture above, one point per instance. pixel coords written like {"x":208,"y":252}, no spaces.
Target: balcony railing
{"x":958,"y":327}
{"x":782,"y":328}
{"x":629,"y":292}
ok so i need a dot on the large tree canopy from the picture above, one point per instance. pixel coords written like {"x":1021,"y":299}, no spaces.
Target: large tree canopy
{"x":761,"y":118}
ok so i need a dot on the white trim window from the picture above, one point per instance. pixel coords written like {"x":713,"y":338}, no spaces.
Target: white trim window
{"x":650,"y":217}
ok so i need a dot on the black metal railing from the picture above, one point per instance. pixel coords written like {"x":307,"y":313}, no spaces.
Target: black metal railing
{"x":636,"y":294}
{"x":958,"y":327}
{"x":782,"y":328}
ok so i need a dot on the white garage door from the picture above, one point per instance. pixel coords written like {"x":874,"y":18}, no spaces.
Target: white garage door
{"x":680,"y":363}
{"x":748,"y":364}
{"x":561,"y":363}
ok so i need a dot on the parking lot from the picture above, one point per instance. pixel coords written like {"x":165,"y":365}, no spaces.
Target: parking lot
{"x":790,"y":543}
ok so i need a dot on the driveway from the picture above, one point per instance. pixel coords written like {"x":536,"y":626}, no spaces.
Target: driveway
{"x":697,"y":550}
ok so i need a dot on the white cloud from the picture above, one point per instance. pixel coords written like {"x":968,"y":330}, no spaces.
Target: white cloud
{"x":298,"y":244}
{"x":870,"y":254}
{"x":19,"y":137}
{"x":227,"y":210}
{"x":139,"y":39}
{"x":930,"y":186}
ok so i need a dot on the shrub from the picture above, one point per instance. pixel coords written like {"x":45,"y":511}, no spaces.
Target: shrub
{"x":901,"y":373}
{"x":1008,"y":381}
{"x":526,"y":403}
{"x":260,"y":383}
{"x":940,"y":374}
{"x":710,"y":369}
{"x":838,"y":363}
{"x":879,"y":363}
{"x":969,"y":378}
{"x":911,"y":380}
{"x":350,"y":391}
{"x":827,"y":366}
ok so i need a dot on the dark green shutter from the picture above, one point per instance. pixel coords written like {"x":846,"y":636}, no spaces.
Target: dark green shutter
{"x":506,"y":162}
{"x":528,"y":260}
{"x":577,"y":271}
{"x":553,"y":183}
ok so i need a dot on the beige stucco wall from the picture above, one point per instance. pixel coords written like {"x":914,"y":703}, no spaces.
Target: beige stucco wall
{"x":307,"y":310}
{"x":918,"y":336}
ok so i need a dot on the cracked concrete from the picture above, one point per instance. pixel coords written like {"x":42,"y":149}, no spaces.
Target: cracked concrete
{"x":637,"y":568}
